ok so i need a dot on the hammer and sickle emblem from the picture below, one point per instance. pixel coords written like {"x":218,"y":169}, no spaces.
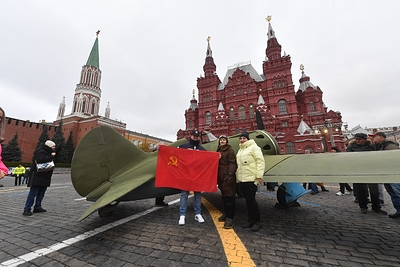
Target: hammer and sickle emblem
{"x":173,"y":161}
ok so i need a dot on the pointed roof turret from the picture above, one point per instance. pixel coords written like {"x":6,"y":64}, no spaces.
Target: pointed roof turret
{"x":93,"y":59}
{"x":221,"y":112}
{"x":193,"y":102}
{"x":108,"y":110}
{"x":209,"y":66}
{"x":303,"y":127}
{"x":305,"y":81}
{"x":274,"y":49}
{"x":261,"y":104}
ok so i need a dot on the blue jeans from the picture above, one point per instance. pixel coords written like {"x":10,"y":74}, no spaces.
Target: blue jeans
{"x":35,"y":192}
{"x":394,"y":193}
{"x":184,"y":199}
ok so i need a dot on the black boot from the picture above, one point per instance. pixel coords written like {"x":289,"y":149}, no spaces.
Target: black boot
{"x":324,"y":189}
{"x":229,"y":223}
{"x":249,"y":224}
{"x":256,"y":227}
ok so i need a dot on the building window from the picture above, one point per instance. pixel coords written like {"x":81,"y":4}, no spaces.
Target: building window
{"x":290,"y":148}
{"x":208,"y":117}
{"x":140,"y":143}
{"x":92,"y":111}
{"x":232,"y":114}
{"x":190,"y":124}
{"x":242,"y":114}
{"x":134,"y":142}
{"x":251,"y":111}
{"x":237,"y":131}
{"x":285,"y":124}
{"x":240,"y":90}
{"x":282,"y":107}
{"x":312,"y":107}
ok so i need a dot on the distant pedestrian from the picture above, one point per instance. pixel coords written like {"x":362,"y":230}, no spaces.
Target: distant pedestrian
{"x":343,"y":186}
{"x":19,"y":172}
{"x":311,"y":186}
{"x":25,"y":178}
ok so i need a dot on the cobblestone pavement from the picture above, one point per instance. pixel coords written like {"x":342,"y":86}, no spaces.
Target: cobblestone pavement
{"x":326,"y":230}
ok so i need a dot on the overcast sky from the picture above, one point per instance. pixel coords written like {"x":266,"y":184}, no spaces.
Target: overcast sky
{"x":153,"y":51}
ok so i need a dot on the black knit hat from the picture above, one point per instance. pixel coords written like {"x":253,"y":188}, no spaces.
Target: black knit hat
{"x":245,"y":134}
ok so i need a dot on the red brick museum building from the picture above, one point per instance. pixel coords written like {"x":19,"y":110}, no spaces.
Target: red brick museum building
{"x":298,"y":119}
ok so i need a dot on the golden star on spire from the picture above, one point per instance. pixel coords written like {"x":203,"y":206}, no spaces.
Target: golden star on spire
{"x":208,"y":39}
{"x":301,"y":67}
{"x":97,"y":33}
{"x":269,"y":18}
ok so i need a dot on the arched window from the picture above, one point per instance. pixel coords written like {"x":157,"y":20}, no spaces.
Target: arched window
{"x":208,"y":117}
{"x":190,"y":124}
{"x":282,"y":107}
{"x":140,"y":143}
{"x":251,"y":111}
{"x":312,"y":107}
{"x":290,"y":148}
{"x":134,"y":142}
{"x":232,"y":114}
{"x":242,"y":114}
{"x":93,"y":108}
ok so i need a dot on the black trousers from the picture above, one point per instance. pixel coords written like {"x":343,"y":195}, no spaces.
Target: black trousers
{"x":18,"y":179}
{"x":363,"y":195}
{"x":229,"y":206}
{"x":343,"y":186}
{"x":249,"y":190}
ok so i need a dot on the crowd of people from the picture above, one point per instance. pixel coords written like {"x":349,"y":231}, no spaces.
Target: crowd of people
{"x":245,"y":170}
{"x":241,"y":171}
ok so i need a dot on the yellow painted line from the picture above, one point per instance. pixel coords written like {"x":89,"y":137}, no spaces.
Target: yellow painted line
{"x":236,"y":253}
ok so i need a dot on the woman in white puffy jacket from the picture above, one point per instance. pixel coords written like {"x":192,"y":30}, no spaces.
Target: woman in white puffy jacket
{"x":251,"y":166}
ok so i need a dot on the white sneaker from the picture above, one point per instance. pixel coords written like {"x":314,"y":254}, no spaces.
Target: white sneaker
{"x":340,"y":194}
{"x":199,"y":218}
{"x":181,"y":220}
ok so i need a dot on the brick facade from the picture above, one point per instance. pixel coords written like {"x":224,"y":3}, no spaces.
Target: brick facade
{"x":228,"y":106}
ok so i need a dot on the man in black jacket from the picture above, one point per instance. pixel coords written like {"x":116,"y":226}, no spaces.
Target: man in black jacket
{"x":380,"y":142}
{"x":361,"y":144}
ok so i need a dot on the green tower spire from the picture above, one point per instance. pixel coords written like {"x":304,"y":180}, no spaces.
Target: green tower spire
{"x":93,"y":59}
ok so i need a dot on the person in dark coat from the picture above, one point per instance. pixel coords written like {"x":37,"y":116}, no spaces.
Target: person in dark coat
{"x":227,"y":180}
{"x":39,"y":181}
{"x":361,"y":144}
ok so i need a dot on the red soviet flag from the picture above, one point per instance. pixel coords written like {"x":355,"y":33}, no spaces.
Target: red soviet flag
{"x":187,"y":169}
